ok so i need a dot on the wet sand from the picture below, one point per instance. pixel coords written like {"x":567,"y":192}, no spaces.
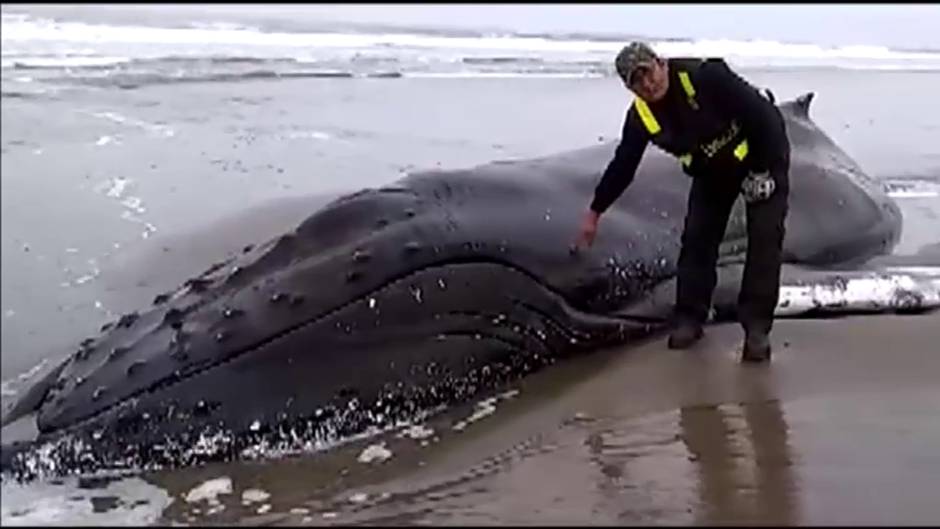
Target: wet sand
{"x":841,"y":428}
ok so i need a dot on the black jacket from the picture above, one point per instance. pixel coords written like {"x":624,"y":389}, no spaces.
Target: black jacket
{"x":722,"y":97}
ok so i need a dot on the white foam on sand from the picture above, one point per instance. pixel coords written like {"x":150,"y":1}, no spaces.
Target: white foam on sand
{"x":484,"y":408}
{"x":114,"y":187}
{"x":162,"y":130}
{"x":359,"y":497}
{"x":149,"y":229}
{"x":308,"y":135}
{"x":375,"y":453}
{"x":106,"y":140}
{"x":209,"y":491}
{"x":250,"y":496}
{"x":417,"y":431}
{"x":132,"y":502}
{"x":134,"y":204}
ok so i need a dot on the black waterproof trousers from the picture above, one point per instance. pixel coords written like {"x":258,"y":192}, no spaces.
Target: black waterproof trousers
{"x":710,"y":202}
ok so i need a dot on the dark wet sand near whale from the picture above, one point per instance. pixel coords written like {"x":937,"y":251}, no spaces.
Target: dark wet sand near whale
{"x":841,"y":428}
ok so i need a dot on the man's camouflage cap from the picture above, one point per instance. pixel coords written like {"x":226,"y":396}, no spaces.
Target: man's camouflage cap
{"x":631,"y":56}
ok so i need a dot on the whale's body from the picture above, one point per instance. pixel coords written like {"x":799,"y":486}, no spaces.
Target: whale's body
{"x":391,"y":301}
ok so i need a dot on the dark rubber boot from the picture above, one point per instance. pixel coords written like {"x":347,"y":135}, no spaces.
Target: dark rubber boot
{"x":756,"y":348}
{"x":684,"y":335}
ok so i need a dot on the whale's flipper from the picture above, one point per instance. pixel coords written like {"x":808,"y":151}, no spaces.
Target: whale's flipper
{"x":901,"y":289}
{"x":811,"y":293}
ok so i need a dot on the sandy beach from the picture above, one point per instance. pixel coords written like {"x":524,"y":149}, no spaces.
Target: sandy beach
{"x":838,"y":430}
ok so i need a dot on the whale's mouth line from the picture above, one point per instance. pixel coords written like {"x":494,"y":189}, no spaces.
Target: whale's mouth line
{"x":181,"y":376}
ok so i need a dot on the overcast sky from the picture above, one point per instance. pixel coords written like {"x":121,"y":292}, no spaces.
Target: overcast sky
{"x":895,"y":25}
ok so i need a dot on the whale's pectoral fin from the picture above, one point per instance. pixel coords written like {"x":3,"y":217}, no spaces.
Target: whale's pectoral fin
{"x":813,"y":293}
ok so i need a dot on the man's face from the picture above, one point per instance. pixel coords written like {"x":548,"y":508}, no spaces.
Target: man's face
{"x":649,"y":81}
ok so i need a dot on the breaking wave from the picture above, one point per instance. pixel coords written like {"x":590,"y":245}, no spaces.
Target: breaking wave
{"x":129,"y":56}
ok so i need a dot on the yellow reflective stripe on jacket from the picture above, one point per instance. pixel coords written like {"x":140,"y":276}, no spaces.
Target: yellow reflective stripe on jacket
{"x":687,"y":84}
{"x":741,"y":150}
{"x":647,"y":116}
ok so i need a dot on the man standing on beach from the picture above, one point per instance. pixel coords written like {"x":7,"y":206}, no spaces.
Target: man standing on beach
{"x":730,"y":140}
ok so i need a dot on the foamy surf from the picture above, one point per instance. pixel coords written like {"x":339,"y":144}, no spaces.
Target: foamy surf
{"x":27,"y":63}
{"x":19,"y":30}
{"x":132,"y":56}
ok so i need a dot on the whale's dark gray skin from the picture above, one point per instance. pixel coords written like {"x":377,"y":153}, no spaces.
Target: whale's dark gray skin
{"x":390,"y":301}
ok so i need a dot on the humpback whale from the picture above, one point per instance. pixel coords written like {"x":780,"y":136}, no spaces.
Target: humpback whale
{"x":392,"y":302}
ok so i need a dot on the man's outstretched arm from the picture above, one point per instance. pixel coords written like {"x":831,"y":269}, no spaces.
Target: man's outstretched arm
{"x":622,"y":167}
{"x":617,"y":176}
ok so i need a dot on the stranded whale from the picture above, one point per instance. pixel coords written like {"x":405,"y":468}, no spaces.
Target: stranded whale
{"x":389,"y":302}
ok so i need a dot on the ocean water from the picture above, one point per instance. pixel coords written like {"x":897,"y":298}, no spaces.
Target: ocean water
{"x":42,"y":54}
{"x":138,"y":148}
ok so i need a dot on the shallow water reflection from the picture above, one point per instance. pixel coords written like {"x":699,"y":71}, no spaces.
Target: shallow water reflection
{"x":743,"y":463}
{"x":757,"y":462}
